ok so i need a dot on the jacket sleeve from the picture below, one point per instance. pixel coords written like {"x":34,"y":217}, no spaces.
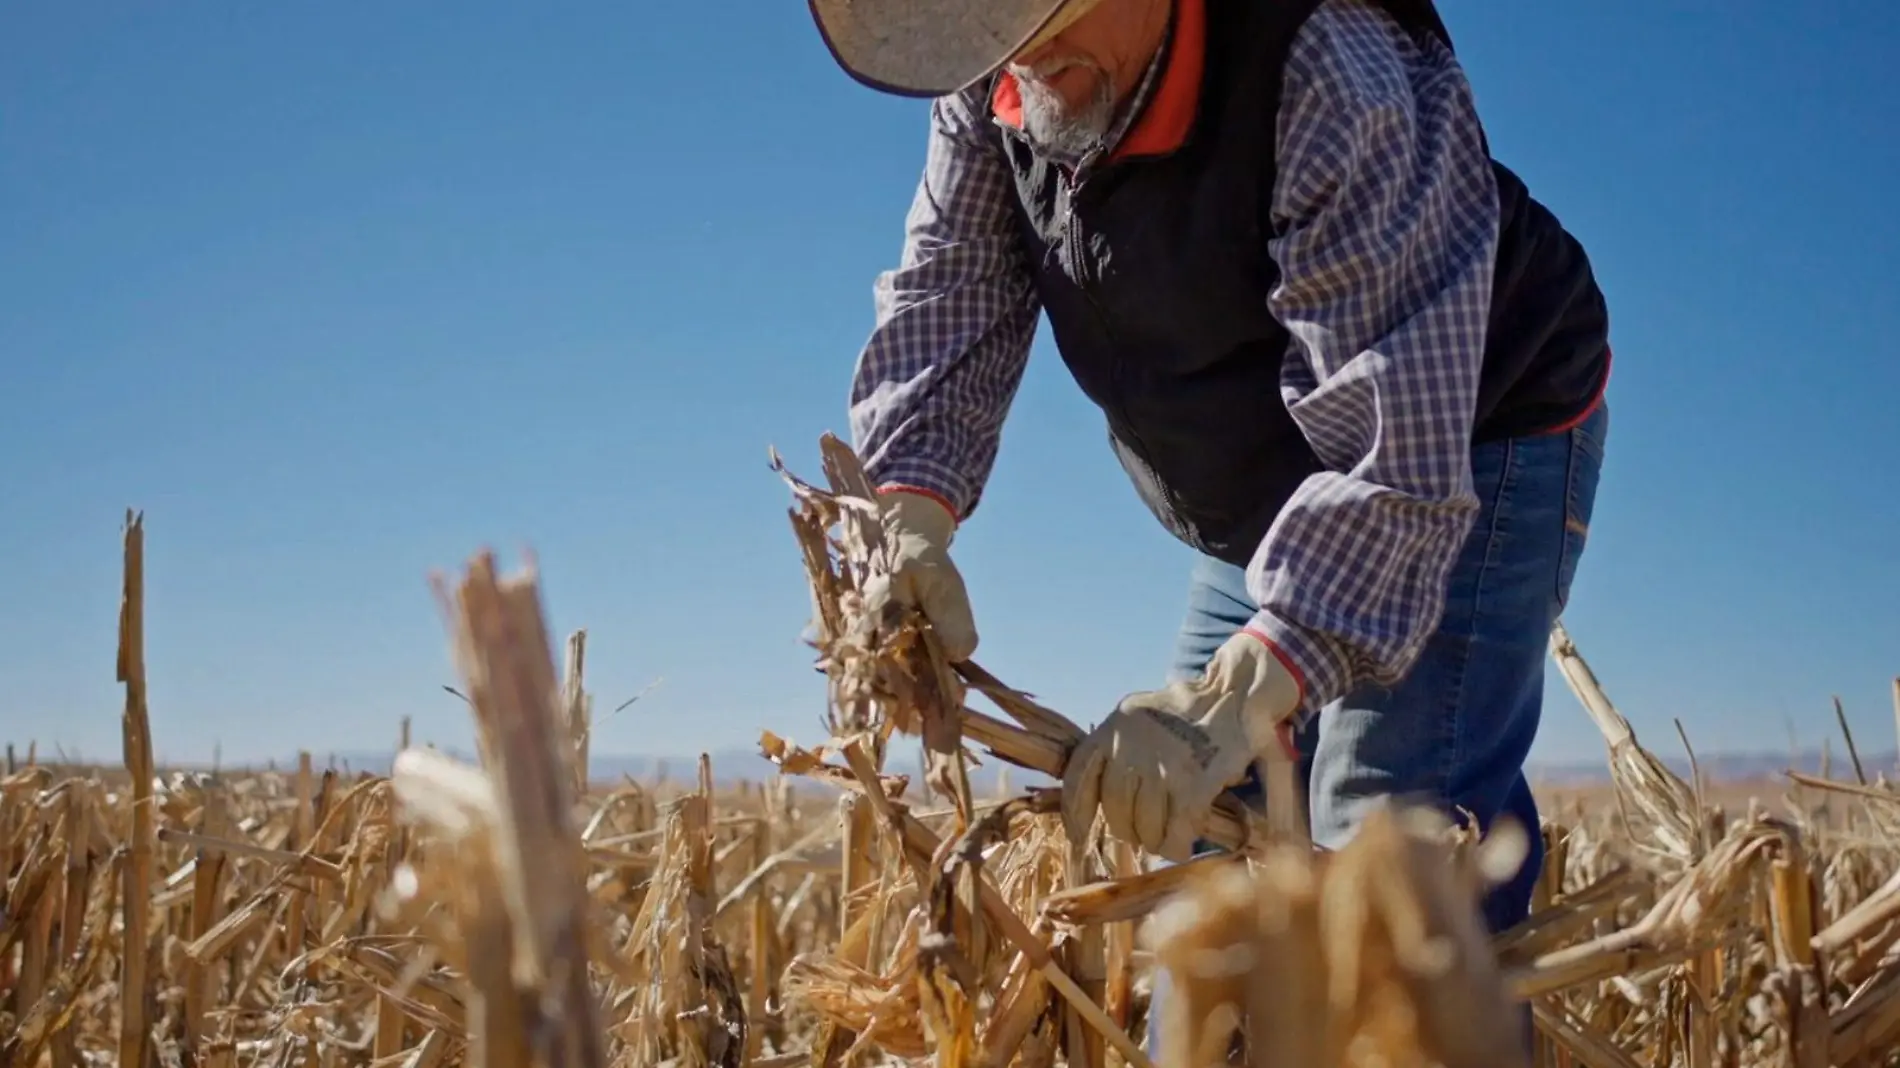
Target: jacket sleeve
{"x":1386,"y":220}
{"x":955,"y":320}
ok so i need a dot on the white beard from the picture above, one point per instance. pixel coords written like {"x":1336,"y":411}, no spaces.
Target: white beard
{"x":1070,"y":134}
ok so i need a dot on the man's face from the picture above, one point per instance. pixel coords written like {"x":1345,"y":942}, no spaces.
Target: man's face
{"x":1072,"y":83}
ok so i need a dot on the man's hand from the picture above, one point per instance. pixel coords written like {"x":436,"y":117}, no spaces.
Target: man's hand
{"x":1155,"y":766}
{"x":918,"y":530}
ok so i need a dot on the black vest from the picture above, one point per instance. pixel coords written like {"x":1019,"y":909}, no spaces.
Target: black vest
{"x":1155,"y":275}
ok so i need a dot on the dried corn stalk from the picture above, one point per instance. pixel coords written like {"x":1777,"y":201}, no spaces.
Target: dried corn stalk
{"x":321,"y":917}
{"x":1374,"y":955}
{"x":517,"y":882}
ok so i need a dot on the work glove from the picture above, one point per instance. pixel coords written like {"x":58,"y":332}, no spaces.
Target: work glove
{"x":918,"y":530}
{"x":1156,"y":764}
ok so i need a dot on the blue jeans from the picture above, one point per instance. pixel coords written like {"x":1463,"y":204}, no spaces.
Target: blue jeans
{"x":1458,"y":728}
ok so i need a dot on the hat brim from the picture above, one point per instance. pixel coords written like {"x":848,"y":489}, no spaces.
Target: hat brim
{"x":928,"y":48}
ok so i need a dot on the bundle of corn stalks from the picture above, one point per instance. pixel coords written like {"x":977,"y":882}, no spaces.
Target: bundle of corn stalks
{"x":1371,"y":956}
{"x":511,"y":912}
{"x":1678,"y":936}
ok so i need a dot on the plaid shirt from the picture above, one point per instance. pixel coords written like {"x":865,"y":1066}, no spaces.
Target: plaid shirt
{"x":1385,"y":214}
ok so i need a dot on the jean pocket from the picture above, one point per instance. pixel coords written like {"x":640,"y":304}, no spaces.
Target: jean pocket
{"x":1580,"y":493}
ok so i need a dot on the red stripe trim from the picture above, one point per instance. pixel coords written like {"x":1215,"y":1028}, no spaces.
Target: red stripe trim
{"x":899,"y":487}
{"x":1279,"y":654}
{"x":1596,"y":402}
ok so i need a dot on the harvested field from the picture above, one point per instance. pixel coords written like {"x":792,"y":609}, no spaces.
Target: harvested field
{"x":509,"y":915}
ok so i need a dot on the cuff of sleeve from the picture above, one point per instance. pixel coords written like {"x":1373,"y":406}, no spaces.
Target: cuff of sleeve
{"x":923,"y":491}
{"x":1319,"y":667}
{"x":928,"y":479}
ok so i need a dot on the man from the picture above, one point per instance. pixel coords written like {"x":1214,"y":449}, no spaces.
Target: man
{"x":1340,"y":352}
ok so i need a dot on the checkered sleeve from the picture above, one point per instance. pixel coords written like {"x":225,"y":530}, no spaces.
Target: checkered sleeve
{"x":954,"y":324}
{"x":1386,"y":231}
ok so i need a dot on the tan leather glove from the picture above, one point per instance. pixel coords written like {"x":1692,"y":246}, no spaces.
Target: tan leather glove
{"x":922,"y":576}
{"x":1155,"y":766}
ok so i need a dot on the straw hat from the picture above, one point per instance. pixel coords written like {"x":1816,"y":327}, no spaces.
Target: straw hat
{"x":936,"y":47}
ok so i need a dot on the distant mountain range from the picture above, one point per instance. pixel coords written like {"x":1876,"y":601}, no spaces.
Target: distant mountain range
{"x":730,"y":767}
{"x":736,"y":765}
{"x":1731,"y":767}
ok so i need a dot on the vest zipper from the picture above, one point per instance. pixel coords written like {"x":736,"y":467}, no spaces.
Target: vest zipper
{"x":1072,"y":187}
{"x":1069,"y":233}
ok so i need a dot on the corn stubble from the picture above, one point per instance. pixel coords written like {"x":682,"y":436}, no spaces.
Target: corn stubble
{"x":510,"y":913}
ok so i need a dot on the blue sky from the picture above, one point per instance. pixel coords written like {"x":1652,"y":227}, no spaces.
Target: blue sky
{"x":339,"y":293}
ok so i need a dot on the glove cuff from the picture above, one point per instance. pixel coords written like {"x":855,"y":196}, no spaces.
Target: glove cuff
{"x":919,"y":511}
{"x":1274,"y":693}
